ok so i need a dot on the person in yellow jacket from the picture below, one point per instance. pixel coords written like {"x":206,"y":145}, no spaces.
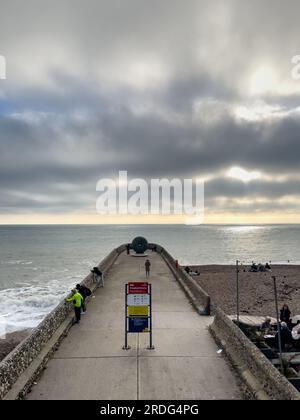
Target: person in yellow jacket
{"x":77,"y":300}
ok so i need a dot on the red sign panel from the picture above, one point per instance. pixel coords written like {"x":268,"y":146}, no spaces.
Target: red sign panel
{"x":140,"y":288}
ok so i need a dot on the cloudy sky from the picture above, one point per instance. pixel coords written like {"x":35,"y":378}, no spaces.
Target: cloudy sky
{"x":160,"y":88}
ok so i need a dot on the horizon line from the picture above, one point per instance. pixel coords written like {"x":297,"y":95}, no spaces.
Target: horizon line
{"x":150,"y":224}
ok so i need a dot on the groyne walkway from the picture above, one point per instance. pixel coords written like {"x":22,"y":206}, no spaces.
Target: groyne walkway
{"x":90,"y":362}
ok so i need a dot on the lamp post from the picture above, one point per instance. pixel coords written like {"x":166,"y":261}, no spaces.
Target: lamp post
{"x":237,"y":293}
{"x":278,"y":325}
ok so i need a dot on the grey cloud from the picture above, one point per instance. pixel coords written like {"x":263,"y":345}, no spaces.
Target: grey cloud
{"x":48,"y":153}
{"x":230,"y":188}
{"x":89,"y":122}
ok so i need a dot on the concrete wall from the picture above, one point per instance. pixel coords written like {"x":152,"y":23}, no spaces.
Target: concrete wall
{"x":198,"y":297}
{"x":20,"y":359}
{"x":260,"y":376}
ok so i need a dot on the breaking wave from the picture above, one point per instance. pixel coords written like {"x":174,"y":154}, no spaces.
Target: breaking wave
{"x":25,"y":307}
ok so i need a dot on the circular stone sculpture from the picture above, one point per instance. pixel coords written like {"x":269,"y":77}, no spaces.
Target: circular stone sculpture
{"x":140,"y":245}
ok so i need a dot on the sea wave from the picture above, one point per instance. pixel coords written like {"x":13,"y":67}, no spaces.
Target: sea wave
{"x":25,"y":307}
{"x":15,"y":262}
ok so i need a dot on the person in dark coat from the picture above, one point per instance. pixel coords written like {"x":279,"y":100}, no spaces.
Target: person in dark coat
{"x":147,"y":268}
{"x":85,"y":292}
{"x":285,"y":334}
{"x":285,"y":314}
{"x":187,"y":270}
{"x":98,"y":276}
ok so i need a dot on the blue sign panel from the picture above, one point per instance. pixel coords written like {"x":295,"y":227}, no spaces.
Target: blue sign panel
{"x":138,"y":325}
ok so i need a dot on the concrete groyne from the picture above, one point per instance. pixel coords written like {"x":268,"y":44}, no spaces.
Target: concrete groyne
{"x":91,"y":364}
{"x":174,"y":316}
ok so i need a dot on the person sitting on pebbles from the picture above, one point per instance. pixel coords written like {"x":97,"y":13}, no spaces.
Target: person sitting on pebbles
{"x":266,"y":326}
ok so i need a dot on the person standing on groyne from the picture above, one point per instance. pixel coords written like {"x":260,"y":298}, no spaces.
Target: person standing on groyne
{"x":77,"y":300}
{"x":85,"y":292}
{"x":147,"y":268}
{"x":98,"y":277}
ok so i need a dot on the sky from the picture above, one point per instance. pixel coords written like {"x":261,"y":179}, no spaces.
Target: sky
{"x":162,"y":89}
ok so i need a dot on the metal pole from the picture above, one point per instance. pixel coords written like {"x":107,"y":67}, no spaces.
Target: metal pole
{"x":150,"y":316}
{"x":151,"y":347}
{"x":278,"y":325}
{"x":237,"y":293}
{"x":126,"y":327}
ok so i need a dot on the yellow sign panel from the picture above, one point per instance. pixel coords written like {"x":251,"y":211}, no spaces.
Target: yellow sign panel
{"x":138,"y":310}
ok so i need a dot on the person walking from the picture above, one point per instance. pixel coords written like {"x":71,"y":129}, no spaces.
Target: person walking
{"x":85,"y":292}
{"x":128,"y":249}
{"x":77,"y":299}
{"x":147,"y":268}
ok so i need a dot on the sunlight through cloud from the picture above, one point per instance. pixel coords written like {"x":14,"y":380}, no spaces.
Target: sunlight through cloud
{"x":243,"y":175}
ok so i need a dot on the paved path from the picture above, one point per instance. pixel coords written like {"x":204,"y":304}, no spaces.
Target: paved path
{"x":90,"y":363}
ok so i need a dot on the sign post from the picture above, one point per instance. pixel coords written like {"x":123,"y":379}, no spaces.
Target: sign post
{"x":138,"y":311}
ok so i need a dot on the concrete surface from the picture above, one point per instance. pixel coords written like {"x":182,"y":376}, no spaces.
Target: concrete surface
{"x":90,"y":363}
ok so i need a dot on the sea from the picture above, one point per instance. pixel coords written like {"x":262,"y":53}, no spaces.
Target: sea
{"x":40,"y":264}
